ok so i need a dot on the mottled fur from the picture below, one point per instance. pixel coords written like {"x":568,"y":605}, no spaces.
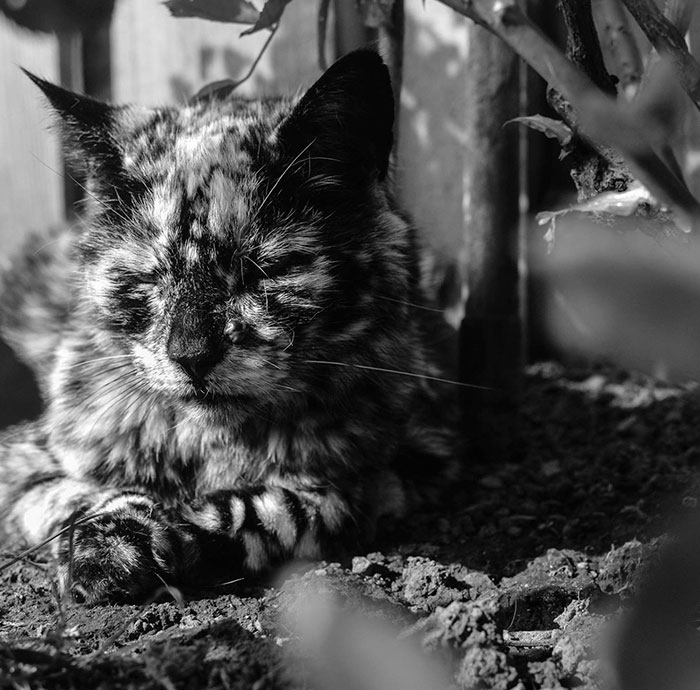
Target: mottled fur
{"x":214,"y":341}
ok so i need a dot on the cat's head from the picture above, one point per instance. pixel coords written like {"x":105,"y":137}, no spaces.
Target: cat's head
{"x":230,"y":243}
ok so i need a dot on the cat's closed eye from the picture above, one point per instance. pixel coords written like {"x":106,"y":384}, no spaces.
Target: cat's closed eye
{"x":274,"y":267}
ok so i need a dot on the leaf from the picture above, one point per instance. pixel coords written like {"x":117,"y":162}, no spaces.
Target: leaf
{"x":623,"y":297}
{"x":554,"y":129}
{"x":216,"y":89}
{"x":234,"y":11}
{"x":269,"y":16}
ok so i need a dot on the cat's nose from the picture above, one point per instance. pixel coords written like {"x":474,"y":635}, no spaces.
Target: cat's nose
{"x":197,"y":362}
{"x":195,"y":343}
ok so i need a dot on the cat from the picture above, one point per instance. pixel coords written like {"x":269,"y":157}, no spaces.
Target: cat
{"x":230,"y":346}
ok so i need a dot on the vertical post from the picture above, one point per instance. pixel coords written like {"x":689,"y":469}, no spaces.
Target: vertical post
{"x":490,"y":334}
{"x":85,"y":66}
{"x":387,"y":38}
{"x":70,"y":69}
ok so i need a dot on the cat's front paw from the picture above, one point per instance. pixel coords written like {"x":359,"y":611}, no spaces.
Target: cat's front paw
{"x":120,"y":551}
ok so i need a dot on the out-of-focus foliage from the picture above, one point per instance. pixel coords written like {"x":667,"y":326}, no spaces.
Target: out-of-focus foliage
{"x":57,"y":15}
{"x":234,"y":11}
{"x":627,"y":297}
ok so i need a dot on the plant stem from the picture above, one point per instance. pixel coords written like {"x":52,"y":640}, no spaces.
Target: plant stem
{"x":669,"y":41}
{"x":582,"y":45}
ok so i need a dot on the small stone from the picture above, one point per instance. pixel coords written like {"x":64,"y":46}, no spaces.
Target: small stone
{"x":189,"y":621}
{"x":689,"y":502}
{"x":360,"y":565}
{"x":550,"y":468}
{"x":491,"y":481}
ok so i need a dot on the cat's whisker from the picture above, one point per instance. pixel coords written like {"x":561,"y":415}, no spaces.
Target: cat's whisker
{"x":46,"y":244}
{"x":279,"y":179}
{"x":83,"y":187}
{"x":412,"y":304}
{"x":98,"y":359}
{"x":267,"y":306}
{"x":114,"y":394}
{"x":383,"y":370}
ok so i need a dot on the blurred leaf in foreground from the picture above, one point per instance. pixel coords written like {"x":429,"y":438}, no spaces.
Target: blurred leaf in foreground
{"x":346,"y":647}
{"x":234,"y":11}
{"x":626,"y":297}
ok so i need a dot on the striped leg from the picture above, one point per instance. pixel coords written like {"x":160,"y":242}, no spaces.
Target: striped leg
{"x":131,"y":546}
{"x":271,"y":523}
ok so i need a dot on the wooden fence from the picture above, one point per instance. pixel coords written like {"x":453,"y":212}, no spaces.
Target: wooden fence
{"x":157,"y":59}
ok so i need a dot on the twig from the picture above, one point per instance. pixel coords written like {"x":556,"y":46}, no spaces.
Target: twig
{"x":225,"y":86}
{"x":530,"y":638}
{"x":46,"y":541}
{"x":679,"y":13}
{"x":621,"y":45}
{"x":582,"y":45}
{"x":509,"y":22}
{"x":593,"y":115}
{"x":668,"y":40}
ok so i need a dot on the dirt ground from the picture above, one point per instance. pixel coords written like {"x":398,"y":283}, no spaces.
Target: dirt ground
{"x":532,"y":577}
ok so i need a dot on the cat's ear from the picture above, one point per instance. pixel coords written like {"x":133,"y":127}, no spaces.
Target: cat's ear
{"x":343,"y":125}
{"x":86,"y":124}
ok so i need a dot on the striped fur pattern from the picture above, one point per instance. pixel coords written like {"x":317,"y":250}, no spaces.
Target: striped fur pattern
{"x":215,"y":341}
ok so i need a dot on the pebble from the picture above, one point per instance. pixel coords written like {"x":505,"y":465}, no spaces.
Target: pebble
{"x":360,"y":565}
{"x":491,"y":481}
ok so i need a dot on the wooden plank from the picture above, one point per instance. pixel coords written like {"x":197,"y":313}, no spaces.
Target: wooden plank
{"x":30,"y":164}
{"x":159,"y":59}
{"x":432,"y":146}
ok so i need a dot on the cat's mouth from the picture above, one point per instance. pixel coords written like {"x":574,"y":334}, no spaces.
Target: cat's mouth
{"x":205,"y":396}
{"x":209,"y":398}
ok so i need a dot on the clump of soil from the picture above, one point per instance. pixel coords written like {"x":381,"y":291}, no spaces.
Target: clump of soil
{"x":526,"y":580}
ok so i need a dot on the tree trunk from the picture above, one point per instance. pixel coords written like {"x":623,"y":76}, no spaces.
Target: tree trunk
{"x":490,"y":337}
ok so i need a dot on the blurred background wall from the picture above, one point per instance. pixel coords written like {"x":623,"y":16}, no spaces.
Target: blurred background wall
{"x":135,"y":51}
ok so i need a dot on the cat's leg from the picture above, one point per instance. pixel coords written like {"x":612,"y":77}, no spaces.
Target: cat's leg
{"x":88,"y":523}
{"x":225,"y":534}
{"x":35,"y":494}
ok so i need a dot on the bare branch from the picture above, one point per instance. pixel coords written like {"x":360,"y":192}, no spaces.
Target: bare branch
{"x":593,"y":115}
{"x":582,"y":45}
{"x":505,"y":19}
{"x":669,"y":41}
{"x":679,"y":13}
{"x":621,"y":45}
